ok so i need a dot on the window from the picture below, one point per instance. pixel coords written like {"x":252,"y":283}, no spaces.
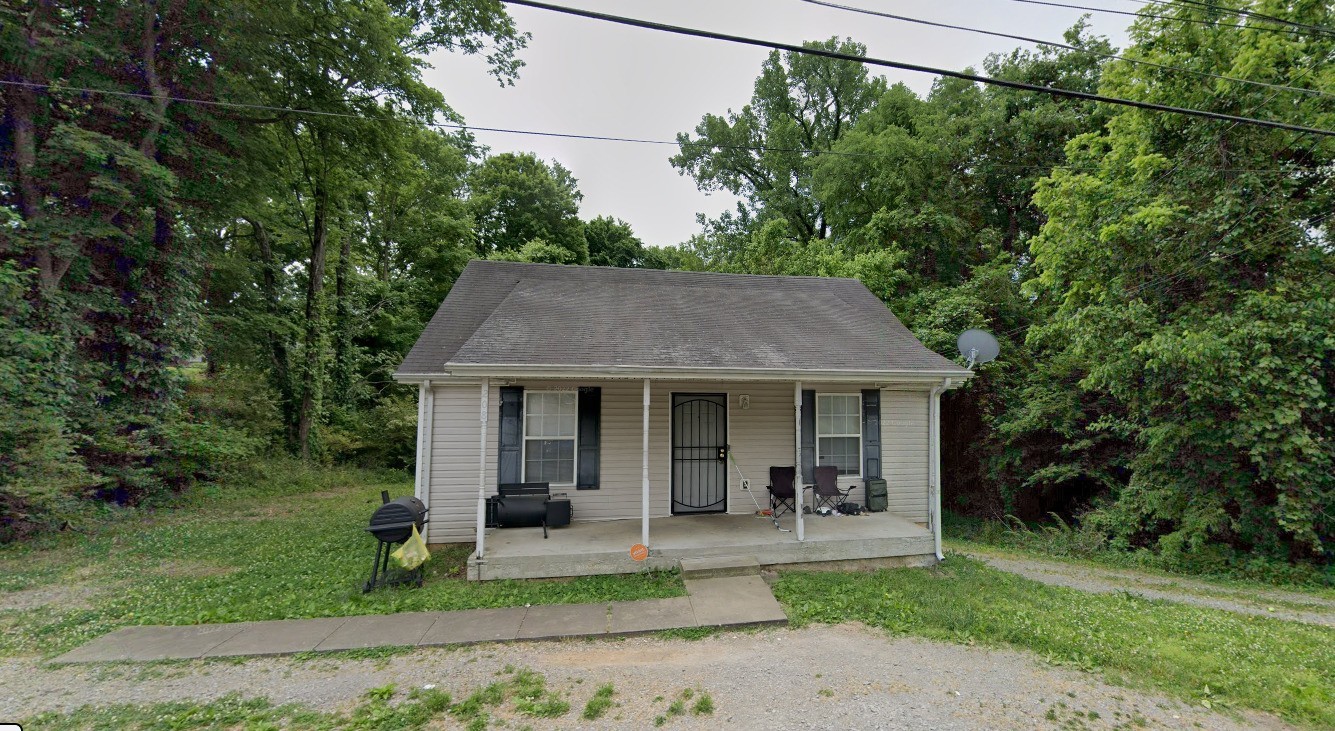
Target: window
{"x":839,"y":432}
{"x":550,"y":418}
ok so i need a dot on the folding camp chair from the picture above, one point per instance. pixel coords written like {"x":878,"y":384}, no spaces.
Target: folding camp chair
{"x":827,"y":492}
{"x":782,"y":493}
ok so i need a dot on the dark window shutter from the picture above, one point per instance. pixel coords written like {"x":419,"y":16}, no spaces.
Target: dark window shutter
{"x":808,"y":436}
{"x":511,"y":464}
{"x":871,"y":433}
{"x":589,"y":433}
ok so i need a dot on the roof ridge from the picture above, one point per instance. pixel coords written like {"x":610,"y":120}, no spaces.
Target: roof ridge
{"x":655,"y":272}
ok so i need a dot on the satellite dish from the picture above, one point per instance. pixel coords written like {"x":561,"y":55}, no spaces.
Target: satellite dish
{"x":978,"y":346}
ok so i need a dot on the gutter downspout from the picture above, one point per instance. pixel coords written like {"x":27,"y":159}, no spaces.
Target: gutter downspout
{"x":419,"y":485}
{"x":427,"y":426}
{"x":934,"y":462}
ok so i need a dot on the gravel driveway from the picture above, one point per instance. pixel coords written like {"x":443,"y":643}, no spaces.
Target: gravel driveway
{"x":820,"y":677}
{"x":1271,"y":603}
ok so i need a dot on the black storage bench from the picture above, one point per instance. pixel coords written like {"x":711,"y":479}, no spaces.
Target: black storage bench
{"x":528,"y":505}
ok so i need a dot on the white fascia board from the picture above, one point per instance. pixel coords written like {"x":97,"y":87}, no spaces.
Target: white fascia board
{"x":457,"y":372}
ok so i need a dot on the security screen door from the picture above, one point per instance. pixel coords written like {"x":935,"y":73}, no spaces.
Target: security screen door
{"x":699,"y":453}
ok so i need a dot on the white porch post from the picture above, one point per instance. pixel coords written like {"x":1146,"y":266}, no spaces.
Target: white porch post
{"x":934,"y":463}
{"x":426,"y":411}
{"x":797,"y":451}
{"x":644,"y":472}
{"x":482,"y":470}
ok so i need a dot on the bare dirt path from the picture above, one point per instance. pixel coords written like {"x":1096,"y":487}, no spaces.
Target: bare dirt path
{"x":1270,"y":603}
{"x":821,"y":677}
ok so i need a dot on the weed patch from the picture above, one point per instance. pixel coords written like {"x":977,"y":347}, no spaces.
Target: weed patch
{"x":599,"y":704}
{"x":377,"y":711}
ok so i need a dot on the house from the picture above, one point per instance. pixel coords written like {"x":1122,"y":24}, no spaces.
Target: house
{"x":657,"y":401}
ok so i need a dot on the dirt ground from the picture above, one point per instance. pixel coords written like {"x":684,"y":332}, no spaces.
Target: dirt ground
{"x":821,"y":677}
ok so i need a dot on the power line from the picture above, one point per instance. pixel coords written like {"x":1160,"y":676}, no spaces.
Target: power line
{"x":1053,"y":91}
{"x":543,"y":133}
{"x":1055,"y":44}
{"x":1196,"y":21}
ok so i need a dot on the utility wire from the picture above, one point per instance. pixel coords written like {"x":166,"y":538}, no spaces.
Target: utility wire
{"x":1196,"y":21}
{"x":1055,"y":44}
{"x":1053,"y":91}
{"x":53,"y":88}
{"x":1242,"y":12}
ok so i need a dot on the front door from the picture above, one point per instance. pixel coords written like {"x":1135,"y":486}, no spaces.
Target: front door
{"x":699,"y":453}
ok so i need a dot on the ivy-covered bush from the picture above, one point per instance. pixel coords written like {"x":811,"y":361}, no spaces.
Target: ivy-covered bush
{"x":39,"y":473}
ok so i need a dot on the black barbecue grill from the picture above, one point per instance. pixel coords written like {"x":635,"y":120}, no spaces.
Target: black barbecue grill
{"x":392,"y":523}
{"x":528,"y":505}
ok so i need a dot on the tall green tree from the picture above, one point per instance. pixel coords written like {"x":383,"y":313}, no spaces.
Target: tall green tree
{"x":612,"y":243}
{"x":517,"y":198}
{"x":126,"y":206}
{"x":358,"y":66}
{"x":1189,"y":269}
{"x":95,"y":187}
{"x":801,"y":105}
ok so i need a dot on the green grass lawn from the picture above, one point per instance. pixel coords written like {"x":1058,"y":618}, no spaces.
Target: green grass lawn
{"x":290,"y":544}
{"x":1212,"y":657}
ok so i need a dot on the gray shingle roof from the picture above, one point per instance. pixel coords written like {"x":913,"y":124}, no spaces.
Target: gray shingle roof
{"x":506,"y":313}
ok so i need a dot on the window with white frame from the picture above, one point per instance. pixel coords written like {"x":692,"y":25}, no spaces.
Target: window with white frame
{"x":839,"y":432}
{"x":550,"y":419}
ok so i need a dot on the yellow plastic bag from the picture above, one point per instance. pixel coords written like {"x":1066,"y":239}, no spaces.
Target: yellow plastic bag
{"x":412,"y":553}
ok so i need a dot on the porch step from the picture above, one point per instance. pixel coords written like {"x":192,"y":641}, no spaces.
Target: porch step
{"x":715,"y":566}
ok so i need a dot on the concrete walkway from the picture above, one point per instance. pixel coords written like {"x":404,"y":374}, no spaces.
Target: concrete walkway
{"x":733,"y":601}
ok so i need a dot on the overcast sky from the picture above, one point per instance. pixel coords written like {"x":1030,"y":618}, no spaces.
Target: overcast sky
{"x":595,"y":78}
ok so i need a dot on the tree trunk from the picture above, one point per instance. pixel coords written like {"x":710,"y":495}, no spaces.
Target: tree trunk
{"x":278,"y":356}
{"x":148,"y":144}
{"x":343,"y":323}
{"x":311,"y":374}
{"x":21,"y":107}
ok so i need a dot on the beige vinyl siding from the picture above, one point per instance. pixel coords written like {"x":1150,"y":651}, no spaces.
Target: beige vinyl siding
{"x":454,"y":463}
{"x":761,"y":436}
{"x":904,"y":452}
{"x":620,"y":459}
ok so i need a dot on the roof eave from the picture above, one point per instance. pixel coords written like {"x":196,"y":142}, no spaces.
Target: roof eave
{"x":460,"y":371}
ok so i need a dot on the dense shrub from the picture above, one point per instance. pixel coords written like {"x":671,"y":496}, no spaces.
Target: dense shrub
{"x":38,"y":469}
{"x":383,"y":435}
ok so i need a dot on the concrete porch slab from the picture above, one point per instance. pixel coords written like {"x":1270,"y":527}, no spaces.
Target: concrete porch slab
{"x":558,"y":621}
{"x":279,"y":637}
{"x":734,"y":600}
{"x":591,"y":548}
{"x":475,"y":625}
{"x":384,"y":630}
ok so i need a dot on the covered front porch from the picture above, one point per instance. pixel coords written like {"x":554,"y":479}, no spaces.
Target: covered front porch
{"x":603,"y":547}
